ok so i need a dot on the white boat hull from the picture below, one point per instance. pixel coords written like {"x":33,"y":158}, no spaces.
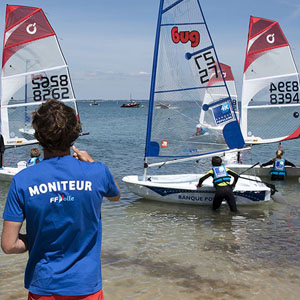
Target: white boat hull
{"x":261,"y":172}
{"x":182,"y":189}
{"x":7,"y":173}
{"x":28,"y":131}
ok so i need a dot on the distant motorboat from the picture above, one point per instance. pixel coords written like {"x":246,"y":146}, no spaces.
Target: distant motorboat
{"x":132,"y":104}
{"x":94,"y":102}
{"x":162,"y":105}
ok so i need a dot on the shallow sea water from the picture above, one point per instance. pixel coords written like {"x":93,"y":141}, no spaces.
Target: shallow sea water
{"x":154,"y":250}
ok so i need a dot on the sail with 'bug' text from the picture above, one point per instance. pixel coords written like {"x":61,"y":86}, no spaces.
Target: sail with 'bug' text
{"x":184,"y":61}
{"x":34,"y":70}
{"x":270,"y":98}
{"x":185,"y":68}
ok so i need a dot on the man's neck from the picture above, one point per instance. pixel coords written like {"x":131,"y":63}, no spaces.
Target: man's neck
{"x":49,"y":154}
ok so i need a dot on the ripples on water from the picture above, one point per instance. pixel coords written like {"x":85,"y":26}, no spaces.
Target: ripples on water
{"x":155,"y":250}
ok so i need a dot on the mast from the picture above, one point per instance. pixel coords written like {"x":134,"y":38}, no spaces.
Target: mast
{"x":152,"y":88}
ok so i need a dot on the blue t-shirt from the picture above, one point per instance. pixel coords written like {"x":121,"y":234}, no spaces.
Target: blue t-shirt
{"x":61,"y":198}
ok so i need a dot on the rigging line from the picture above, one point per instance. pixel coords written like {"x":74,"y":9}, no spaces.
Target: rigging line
{"x":184,"y":115}
{"x":273,"y":105}
{"x":190,"y":89}
{"x":196,"y":157}
{"x":34,"y":72}
{"x":35,"y":103}
{"x":189,"y":55}
{"x":182,"y":24}
{"x":171,"y":6}
{"x":271,"y":77}
{"x":217,"y":102}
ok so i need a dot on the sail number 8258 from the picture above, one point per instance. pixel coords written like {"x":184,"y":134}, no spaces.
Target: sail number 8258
{"x":54,"y":88}
{"x":284,"y":92}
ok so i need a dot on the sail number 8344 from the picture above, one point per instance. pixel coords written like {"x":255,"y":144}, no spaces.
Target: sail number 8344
{"x":284,"y":92}
{"x":55,"y":87}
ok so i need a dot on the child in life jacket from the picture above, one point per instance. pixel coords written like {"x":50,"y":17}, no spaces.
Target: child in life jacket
{"x":35,"y":154}
{"x":221,"y":179}
{"x":278,"y":171}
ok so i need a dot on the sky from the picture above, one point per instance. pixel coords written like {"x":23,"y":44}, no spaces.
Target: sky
{"x":108,"y":44}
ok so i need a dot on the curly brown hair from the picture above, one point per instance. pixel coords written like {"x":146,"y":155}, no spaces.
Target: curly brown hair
{"x":56,"y":125}
{"x":35,"y":152}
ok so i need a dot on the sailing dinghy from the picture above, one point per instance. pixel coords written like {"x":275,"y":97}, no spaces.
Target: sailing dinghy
{"x":184,"y":59}
{"x":270,"y":97}
{"x":206,"y":128}
{"x":33,"y":71}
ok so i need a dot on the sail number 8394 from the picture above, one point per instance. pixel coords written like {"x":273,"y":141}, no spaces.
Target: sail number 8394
{"x":54,"y":88}
{"x":284,"y":92}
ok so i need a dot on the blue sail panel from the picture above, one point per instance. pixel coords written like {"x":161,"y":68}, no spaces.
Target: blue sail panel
{"x":185,"y":70}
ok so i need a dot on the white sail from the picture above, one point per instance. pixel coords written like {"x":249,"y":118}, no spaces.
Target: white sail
{"x":270,"y":99}
{"x":185,"y":60}
{"x":206,"y":118}
{"x":33,"y":70}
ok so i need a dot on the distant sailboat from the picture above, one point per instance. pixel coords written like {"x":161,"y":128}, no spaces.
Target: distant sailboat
{"x":182,"y":65}
{"x":207,"y":126}
{"x":33,"y":71}
{"x":132,"y":103}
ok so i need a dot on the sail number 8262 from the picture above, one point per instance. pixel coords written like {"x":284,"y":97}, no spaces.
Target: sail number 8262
{"x":284,"y":92}
{"x":54,"y":88}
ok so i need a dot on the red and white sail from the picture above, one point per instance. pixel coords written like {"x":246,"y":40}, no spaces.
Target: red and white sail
{"x":215,"y":94}
{"x":270,"y":99}
{"x":33,"y":71}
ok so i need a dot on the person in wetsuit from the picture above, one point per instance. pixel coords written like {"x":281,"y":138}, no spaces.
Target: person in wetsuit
{"x":221,"y":179}
{"x":278,"y":171}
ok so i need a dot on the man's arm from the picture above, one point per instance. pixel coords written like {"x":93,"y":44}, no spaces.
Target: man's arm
{"x":288,"y":163}
{"x":270,"y":162}
{"x":208,"y":174}
{"x":234,"y":175}
{"x":84,"y":156}
{"x":12,"y":241}
{"x":115,"y":198}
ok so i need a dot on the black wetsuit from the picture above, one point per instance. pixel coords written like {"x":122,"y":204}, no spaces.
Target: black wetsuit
{"x":223,"y":190}
{"x":276,"y":176}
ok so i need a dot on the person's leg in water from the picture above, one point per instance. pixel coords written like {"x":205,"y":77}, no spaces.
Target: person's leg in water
{"x":229,"y":196}
{"x":218,"y":198}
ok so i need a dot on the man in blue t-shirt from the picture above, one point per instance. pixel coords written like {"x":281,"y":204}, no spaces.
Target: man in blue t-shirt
{"x":60,"y":198}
